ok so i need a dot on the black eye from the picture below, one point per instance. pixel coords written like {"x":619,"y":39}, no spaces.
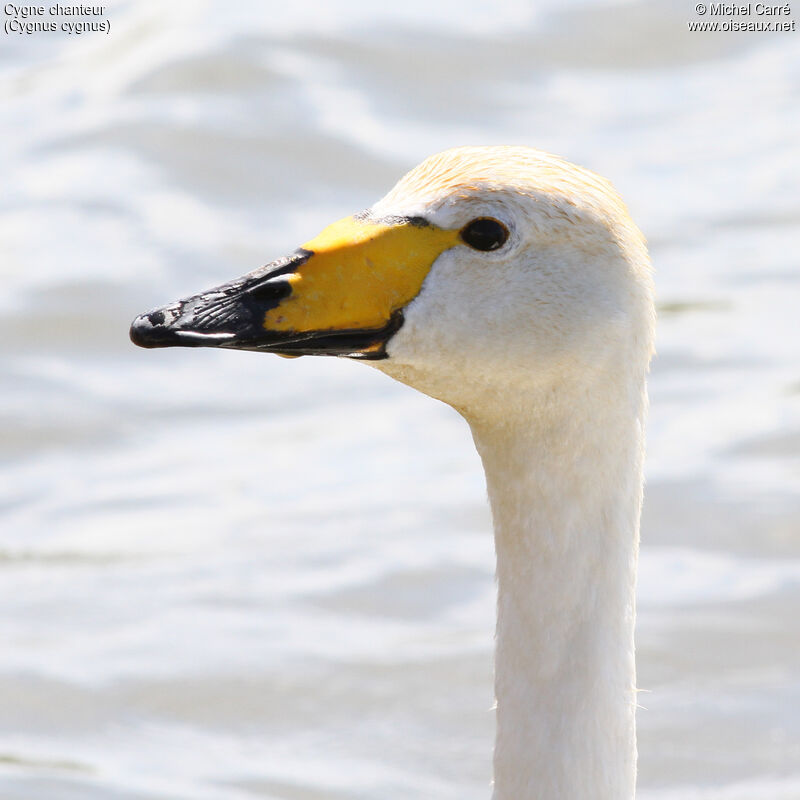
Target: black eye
{"x":485,"y":234}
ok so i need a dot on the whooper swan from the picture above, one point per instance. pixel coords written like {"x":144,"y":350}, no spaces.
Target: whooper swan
{"x":515,"y":287}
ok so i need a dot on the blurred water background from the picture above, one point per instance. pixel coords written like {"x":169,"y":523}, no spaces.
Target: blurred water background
{"x":231,"y":576}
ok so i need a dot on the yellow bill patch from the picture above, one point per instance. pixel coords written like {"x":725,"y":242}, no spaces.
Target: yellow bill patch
{"x":360,"y":273}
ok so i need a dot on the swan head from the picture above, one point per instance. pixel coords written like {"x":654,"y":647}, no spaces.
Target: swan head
{"x":485,"y":274}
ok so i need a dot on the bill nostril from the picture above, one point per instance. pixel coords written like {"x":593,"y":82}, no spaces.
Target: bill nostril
{"x":272,"y":290}
{"x":156,"y":318}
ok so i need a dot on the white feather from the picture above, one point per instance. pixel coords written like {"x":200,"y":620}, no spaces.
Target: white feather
{"x":543,"y":346}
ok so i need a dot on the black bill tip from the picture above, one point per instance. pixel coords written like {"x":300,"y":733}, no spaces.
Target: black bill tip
{"x":157,"y":329}
{"x":148,"y":330}
{"x":230,"y":314}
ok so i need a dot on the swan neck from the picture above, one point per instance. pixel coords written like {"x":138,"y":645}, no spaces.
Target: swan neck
{"x":566,"y":496}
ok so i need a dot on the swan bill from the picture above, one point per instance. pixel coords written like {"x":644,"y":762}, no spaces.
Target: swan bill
{"x":340,"y":294}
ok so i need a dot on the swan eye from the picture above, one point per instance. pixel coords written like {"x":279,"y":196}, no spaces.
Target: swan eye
{"x":485,"y":234}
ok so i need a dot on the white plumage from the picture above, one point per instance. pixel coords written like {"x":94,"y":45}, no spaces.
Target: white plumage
{"x":542,"y":340}
{"x":544,"y":346}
